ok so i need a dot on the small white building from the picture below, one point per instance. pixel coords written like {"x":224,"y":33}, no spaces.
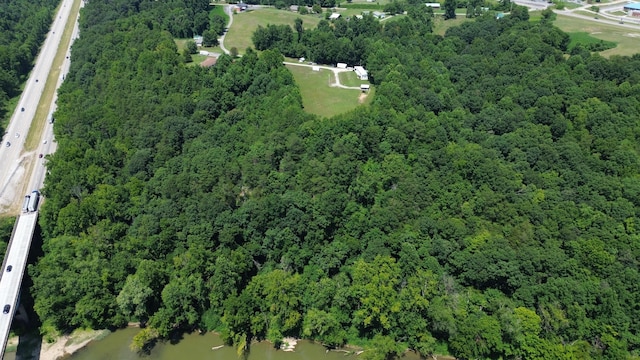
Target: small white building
{"x":365,"y":87}
{"x":334,"y":16}
{"x":361,"y":73}
{"x":379,"y":15}
{"x":433,"y":5}
{"x":341,"y":65}
{"x":197,"y":39}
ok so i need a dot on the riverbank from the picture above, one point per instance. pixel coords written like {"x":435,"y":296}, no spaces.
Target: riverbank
{"x":196,"y":345}
{"x":69,"y":344}
{"x":34,"y":347}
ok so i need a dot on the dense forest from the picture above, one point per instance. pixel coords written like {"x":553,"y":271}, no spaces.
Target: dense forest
{"x":484,"y":205}
{"x":23,"y":27}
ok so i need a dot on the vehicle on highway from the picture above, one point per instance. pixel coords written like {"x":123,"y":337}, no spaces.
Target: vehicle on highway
{"x":44,"y":142}
{"x":21,"y":109}
{"x":6,"y":309}
{"x":17,"y":135}
{"x":25,"y":203}
{"x":50,"y":119}
{"x":8,"y":144}
{"x":9,"y":268}
{"x":33,"y":201}
{"x":40,"y":156}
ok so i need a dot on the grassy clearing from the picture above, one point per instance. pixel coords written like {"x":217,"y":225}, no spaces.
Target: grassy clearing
{"x":440,"y":25}
{"x":319,"y":98}
{"x":586,"y":40}
{"x":627,"y":40}
{"x":350,"y":79}
{"x":570,"y":5}
{"x":219,"y":10}
{"x":244,"y":24}
{"x":44,"y":107}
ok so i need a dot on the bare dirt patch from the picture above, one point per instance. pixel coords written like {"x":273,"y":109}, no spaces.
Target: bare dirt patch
{"x":362,"y":97}
{"x":68,"y":344}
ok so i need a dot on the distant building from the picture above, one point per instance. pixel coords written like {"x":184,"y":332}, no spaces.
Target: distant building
{"x":341,"y":65}
{"x":365,"y":87}
{"x":379,"y":15}
{"x":198,"y":40}
{"x":433,"y":5}
{"x":632,"y":9}
{"x":242,"y":6}
{"x":294,"y":8}
{"x":334,"y":16}
{"x":361,"y":73}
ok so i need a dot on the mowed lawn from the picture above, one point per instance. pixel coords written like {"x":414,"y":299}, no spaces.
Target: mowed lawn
{"x":628,"y":40}
{"x":244,"y":25}
{"x":319,"y":97}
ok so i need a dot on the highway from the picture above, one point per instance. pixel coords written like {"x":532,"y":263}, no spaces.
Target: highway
{"x":15,"y":161}
{"x":11,"y":280}
{"x":22,"y":171}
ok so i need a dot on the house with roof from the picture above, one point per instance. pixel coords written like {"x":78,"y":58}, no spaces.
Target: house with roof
{"x":632,"y":9}
{"x":361,"y":73}
{"x":334,"y":16}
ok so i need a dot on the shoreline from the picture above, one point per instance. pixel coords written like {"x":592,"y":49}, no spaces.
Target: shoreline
{"x":68,"y":344}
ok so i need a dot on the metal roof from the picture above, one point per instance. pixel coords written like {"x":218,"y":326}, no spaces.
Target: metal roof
{"x":633,"y":6}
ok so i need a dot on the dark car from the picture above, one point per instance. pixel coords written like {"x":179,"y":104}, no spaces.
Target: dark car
{"x":9,"y":268}
{"x":40,"y":156}
{"x":21,"y":109}
{"x":6,"y":309}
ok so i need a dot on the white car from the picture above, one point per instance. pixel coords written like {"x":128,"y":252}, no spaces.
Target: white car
{"x":17,"y":135}
{"x":44,"y":142}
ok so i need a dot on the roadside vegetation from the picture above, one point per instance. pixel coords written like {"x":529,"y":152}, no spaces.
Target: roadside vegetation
{"x":6,"y":228}
{"x":23,"y":27}
{"x":484,"y":204}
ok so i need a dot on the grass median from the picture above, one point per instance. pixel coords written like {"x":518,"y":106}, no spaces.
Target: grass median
{"x":46,"y":99}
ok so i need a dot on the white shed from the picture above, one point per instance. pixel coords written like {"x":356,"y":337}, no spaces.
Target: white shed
{"x":361,"y":72}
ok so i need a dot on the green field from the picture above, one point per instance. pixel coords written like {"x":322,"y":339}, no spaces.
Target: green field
{"x":628,"y":40}
{"x":219,"y":10}
{"x":244,"y":24}
{"x":350,"y":79}
{"x":440,"y":25}
{"x":318,"y":97}
{"x":585,"y":39}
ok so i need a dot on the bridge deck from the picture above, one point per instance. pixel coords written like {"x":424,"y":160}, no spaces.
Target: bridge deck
{"x":17,"y":254}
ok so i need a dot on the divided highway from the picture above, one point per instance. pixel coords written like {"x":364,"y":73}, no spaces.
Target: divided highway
{"x":22,"y":171}
{"x":15,"y":160}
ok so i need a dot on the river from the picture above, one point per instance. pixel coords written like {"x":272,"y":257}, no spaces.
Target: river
{"x":196,"y":346}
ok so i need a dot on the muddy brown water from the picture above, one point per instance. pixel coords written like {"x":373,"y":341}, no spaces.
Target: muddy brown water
{"x":199,"y":346}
